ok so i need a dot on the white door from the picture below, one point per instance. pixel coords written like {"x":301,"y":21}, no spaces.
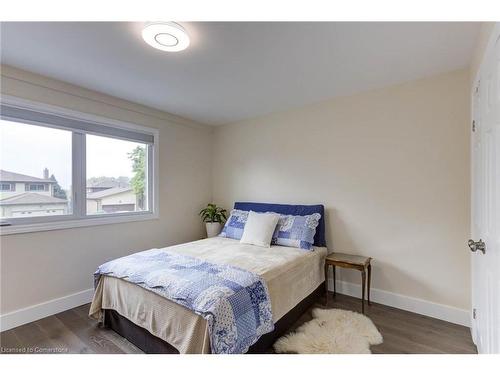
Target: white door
{"x":485,"y":176}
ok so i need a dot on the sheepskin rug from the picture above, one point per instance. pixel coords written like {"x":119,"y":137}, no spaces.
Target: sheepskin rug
{"x":332,"y":331}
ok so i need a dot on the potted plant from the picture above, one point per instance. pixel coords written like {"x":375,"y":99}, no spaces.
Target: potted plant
{"x":213,"y":217}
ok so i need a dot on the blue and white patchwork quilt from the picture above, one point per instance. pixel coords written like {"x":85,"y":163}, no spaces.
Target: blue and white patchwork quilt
{"x":235,"y":302}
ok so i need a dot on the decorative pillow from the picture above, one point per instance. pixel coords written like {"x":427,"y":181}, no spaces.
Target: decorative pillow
{"x":234,"y":225}
{"x":259,"y":228}
{"x":296,"y":231}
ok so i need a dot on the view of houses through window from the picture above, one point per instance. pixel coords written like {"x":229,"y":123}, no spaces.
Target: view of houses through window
{"x":36,"y":173}
{"x":116,"y":175}
{"x":35,"y":170}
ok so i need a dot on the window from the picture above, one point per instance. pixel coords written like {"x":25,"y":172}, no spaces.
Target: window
{"x":37,"y":187}
{"x":116,"y":175}
{"x":32,"y":158}
{"x":60,"y":169}
{"x":6,"y":187}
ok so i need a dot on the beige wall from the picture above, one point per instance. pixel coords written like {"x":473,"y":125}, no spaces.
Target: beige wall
{"x":41,"y":266}
{"x":391,"y":167}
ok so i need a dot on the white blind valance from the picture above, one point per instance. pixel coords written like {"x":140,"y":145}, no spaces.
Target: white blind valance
{"x":12,"y":113}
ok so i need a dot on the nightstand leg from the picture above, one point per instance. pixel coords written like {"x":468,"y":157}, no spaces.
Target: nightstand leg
{"x":326,"y":285}
{"x":363,"y":282}
{"x":369,"y":282}
{"x":334,"y":283}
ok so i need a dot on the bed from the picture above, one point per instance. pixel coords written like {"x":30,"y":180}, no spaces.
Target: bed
{"x":294,"y":279}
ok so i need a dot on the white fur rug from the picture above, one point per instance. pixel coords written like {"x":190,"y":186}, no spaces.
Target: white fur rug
{"x":332,"y":331}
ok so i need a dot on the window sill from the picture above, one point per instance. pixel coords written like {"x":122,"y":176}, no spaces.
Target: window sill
{"x":75,"y":223}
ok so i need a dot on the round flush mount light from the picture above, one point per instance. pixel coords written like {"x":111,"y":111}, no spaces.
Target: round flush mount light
{"x":166,"y":36}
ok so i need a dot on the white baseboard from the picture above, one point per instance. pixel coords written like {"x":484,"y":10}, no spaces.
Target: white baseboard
{"x":416,"y":305}
{"x":30,"y":314}
{"x":448,"y":313}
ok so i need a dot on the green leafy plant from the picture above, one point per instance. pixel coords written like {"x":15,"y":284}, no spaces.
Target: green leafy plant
{"x":138,"y":182}
{"x":59,"y":192}
{"x":213,"y":214}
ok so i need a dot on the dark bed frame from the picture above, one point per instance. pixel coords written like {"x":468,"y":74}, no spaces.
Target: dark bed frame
{"x":151,"y":344}
{"x":148,"y":343}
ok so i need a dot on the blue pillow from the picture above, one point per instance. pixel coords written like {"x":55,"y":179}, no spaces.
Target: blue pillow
{"x":235,"y":224}
{"x":296,"y":231}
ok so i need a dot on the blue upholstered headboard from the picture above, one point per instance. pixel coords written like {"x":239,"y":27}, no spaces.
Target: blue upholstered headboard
{"x":290,"y":209}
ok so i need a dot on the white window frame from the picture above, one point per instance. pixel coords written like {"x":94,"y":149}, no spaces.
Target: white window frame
{"x":79,"y":218}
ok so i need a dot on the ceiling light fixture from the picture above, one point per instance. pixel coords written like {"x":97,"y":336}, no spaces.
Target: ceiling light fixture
{"x":166,"y":36}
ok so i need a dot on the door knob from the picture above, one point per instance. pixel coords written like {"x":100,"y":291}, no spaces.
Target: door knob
{"x":475,"y":246}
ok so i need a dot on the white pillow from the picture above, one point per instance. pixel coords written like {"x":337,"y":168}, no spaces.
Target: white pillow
{"x":259,"y":228}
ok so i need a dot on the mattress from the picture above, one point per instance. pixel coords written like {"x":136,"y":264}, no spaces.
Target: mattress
{"x":291,"y":275}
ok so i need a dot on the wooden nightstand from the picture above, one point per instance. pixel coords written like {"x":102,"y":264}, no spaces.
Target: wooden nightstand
{"x":357,"y":262}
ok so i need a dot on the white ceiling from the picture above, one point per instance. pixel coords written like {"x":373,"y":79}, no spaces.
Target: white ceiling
{"x":235,"y":71}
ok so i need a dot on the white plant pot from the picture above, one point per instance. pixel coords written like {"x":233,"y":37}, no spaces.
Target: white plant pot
{"x":213,"y":229}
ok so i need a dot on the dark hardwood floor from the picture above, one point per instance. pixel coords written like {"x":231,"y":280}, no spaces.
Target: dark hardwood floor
{"x":73,"y":331}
